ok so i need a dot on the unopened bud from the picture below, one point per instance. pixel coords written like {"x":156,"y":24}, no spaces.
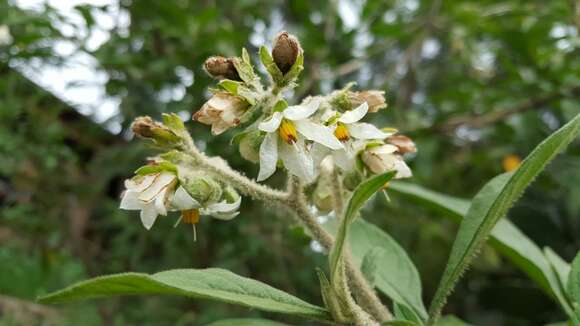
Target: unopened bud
{"x":202,"y":188}
{"x":322,"y":197}
{"x":221,"y":68}
{"x":222,"y":111}
{"x":250,"y":146}
{"x":286,"y":50}
{"x":403,"y":143}
{"x":374,"y":98}
{"x":148,"y":128}
{"x":351,"y":180}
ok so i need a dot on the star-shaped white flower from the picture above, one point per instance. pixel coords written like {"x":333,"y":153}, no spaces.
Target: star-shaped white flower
{"x":149,"y":194}
{"x":348,"y":129}
{"x":285,"y":139}
{"x":223,"y":210}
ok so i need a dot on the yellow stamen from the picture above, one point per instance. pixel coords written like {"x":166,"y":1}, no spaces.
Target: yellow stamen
{"x":287,"y":132}
{"x":341,"y":132}
{"x":190,"y":216}
{"x":511,"y":162}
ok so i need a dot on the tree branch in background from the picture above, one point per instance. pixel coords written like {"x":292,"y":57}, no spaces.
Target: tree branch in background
{"x":480,"y":121}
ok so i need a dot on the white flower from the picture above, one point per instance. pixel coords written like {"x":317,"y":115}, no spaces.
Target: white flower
{"x":5,"y":37}
{"x":191,"y":209}
{"x":222,"y":111}
{"x":384,"y":158}
{"x":149,"y":194}
{"x":346,"y":128}
{"x":286,"y":134}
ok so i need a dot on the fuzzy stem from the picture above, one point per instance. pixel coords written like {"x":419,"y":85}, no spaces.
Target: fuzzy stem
{"x":364,"y":293}
{"x":295,"y":201}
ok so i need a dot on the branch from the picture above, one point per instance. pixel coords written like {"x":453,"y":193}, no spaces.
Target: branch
{"x":480,"y":121}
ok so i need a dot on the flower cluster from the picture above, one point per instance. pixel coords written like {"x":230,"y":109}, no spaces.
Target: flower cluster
{"x":298,"y":138}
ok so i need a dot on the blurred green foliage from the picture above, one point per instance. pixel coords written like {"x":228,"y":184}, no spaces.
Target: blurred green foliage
{"x":471,"y":82}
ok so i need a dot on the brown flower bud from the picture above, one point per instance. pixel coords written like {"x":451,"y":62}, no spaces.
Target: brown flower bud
{"x":222,"y":111}
{"x":374,"y":98}
{"x":148,"y":128}
{"x":286,"y":50}
{"x":220,"y":67}
{"x":403,"y":143}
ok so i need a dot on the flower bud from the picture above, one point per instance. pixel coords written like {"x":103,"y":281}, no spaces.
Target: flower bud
{"x":374,"y":98}
{"x":148,"y":128}
{"x":249,"y":146}
{"x":403,"y":143}
{"x":202,"y":188}
{"x":384,"y":158}
{"x":222,"y":111}
{"x":220,"y":67}
{"x":322,"y":197}
{"x":286,"y":50}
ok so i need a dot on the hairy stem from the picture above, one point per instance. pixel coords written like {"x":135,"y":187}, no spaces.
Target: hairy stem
{"x":363,"y":292}
{"x":295,"y":201}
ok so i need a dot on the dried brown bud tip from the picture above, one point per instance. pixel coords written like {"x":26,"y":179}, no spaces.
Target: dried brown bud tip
{"x":375,"y":99}
{"x":286,"y":50}
{"x":220,"y":67}
{"x":148,"y":128}
{"x":403,"y":143}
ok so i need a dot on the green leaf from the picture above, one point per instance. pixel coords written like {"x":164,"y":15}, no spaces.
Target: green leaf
{"x":212,"y":283}
{"x":573,"y":287}
{"x":399,"y":323}
{"x":246,"y":322}
{"x":451,"y":320}
{"x":359,"y":197}
{"x":559,"y":265}
{"x":491,"y":204}
{"x":505,"y":237}
{"x":369,"y":265}
{"x":396,"y":275}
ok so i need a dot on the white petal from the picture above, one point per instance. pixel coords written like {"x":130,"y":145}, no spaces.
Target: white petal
{"x":403,"y":170}
{"x":268,"y":156}
{"x":299,"y":112}
{"x":130,"y":201}
{"x":354,"y":115}
{"x":318,"y":133}
{"x":272,"y":124}
{"x":366,"y":131}
{"x":297,"y":161}
{"x":140,"y":183}
{"x":224,"y":216}
{"x":318,"y":153}
{"x":384,"y":149}
{"x":343,"y":159}
{"x":160,"y":202}
{"x":163,"y":180}
{"x":183,"y":201}
{"x":225,"y":207}
{"x":148,"y":215}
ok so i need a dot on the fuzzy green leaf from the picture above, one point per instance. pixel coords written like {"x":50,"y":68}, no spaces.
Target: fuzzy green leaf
{"x":395,"y":276}
{"x":491,"y":204}
{"x":270,"y":65}
{"x":359,"y":197}
{"x":505,"y":237}
{"x":573,"y":283}
{"x":213,"y":284}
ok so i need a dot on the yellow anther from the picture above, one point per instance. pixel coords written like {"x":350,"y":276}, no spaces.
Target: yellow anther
{"x":341,"y":132}
{"x":287,"y":132}
{"x":190,"y":216}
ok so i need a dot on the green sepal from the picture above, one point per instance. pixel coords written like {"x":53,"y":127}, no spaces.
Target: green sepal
{"x":271,"y":66}
{"x":156,"y":168}
{"x":280,"y":106}
{"x":230,"y":86}
{"x":245,"y":70}
{"x":295,"y":71}
{"x":173,"y":122}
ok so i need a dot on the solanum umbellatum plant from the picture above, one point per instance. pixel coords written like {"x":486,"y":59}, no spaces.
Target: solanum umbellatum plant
{"x":333,"y":162}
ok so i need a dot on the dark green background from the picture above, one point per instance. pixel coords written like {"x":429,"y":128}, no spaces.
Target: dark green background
{"x":503,"y":76}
